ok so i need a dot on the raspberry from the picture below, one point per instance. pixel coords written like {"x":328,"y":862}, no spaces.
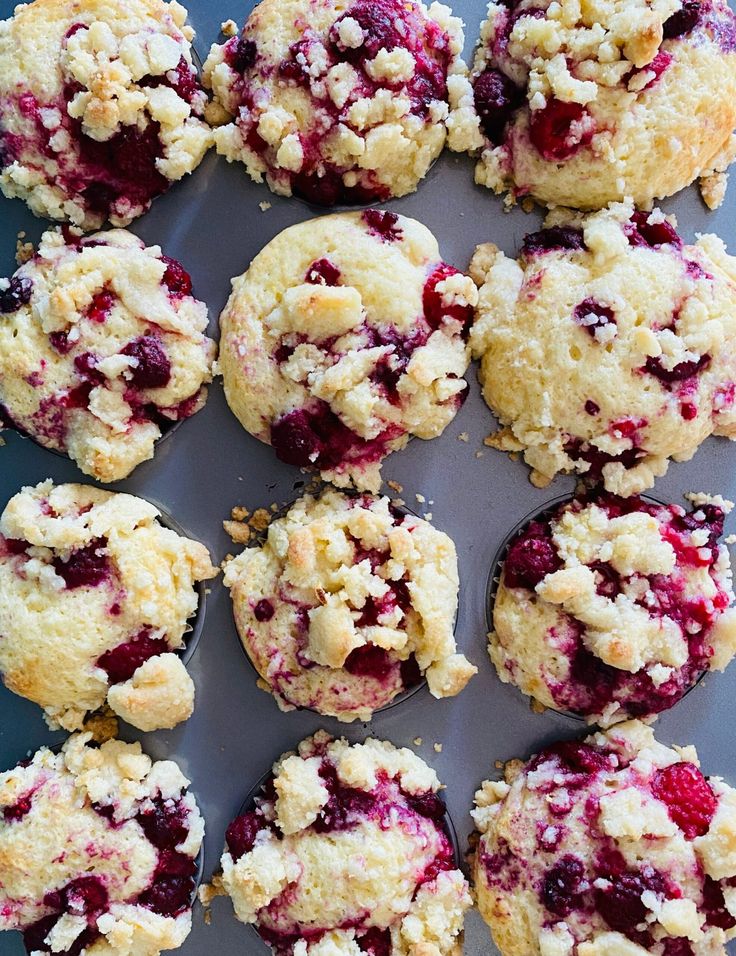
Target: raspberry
{"x":369,"y":661}
{"x":176,"y":278}
{"x":683,"y":21}
{"x":383,"y":224}
{"x":563,"y":886}
{"x":165,"y":825}
{"x":85,"y":567}
{"x":241,"y":54}
{"x":322,"y":272}
{"x":531,"y":557}
{"x":263,"y":611}
{"x":680,"y":372}
{"x":641,"y":232}
{"x":689,"y":798}
{"x":101,"y":306}
{"x":580,"y":758}
{"x":242,"y":832}
{"x":560,"y":129}
{"x":122,"y":661}
{"x":376,"y":942}
{"x":154,"y":368}
{"x":428,"y":805}
{"x":621,"y":905}
{"x":435,"y":312}
{"x":18,"y":810}
{"x":591,"y":315}
{"x":18,"y":293}
{"x":169,"y":896}
{"x":549,"y":240}
{"x":496,"y":98}
{"x":714,"y":905}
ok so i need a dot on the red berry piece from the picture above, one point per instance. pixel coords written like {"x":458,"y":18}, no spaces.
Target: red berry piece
{"x":176,"y":279}
{"x":18,"y":293}
{"x":369,"y":661}
{"x":122,"y":661}
{"x":376,"y":942}
{"x":679,"y":373}
{"x":560,"y":129}
{"x":169,"y":896}
{"x":323,"y":272}
{"x":564,"y":238}
{"x":531,"y":557}
{"x":241,"y":54}
{"x":496,"y":97}
{"x":263,"y":611}
{"x":154,"y":368}
{"x":689,"y":798}
{"x":683,"y":21}
{"x":564,"y":885}
{"x":591,"y":315}
{"x":241,"y":835}
{"x":435,"y":312}
{"x":641,"y":232}
{"x":383,"y":224}
{"x":85,"y":567}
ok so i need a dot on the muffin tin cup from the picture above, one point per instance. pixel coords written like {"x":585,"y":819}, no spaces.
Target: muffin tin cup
{"x":249,"y":803}
{"x":257,"y":541}
{"x":494,"y":579}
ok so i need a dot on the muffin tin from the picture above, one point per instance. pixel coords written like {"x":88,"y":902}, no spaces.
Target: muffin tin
{"x":214,"y":224}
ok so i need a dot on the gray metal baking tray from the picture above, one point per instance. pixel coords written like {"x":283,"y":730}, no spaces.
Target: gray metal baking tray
{"x":213,"y":223}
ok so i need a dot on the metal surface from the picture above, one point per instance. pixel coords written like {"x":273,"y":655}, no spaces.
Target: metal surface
{"x":212,"y":222}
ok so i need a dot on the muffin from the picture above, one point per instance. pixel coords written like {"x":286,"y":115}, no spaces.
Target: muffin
{"x":616,"y":846}
{"x":98,"y":850}
{"x":102,"y":347}
{"x":347,"y":851}
{"x":337,"y":101}
{"x":346,"y":336}
{"x":95,"y":599}
{"x":586,"y":104}
{"x":606,"y":348}
{"x":347,"y":603}
{"x":100,"y":107}
{"x":613,"y":607}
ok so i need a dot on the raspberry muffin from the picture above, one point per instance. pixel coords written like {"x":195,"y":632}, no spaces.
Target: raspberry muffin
{"x":347,"y":603}
{"x":102,"y":347}
{"x":337,"y":102}
{"x":346,"y":336}
{"x":616,"y":846}
{"x":100,"y":107}
{"x":347,"y":851}
{"x":95,"y":596}
{"x":605,"y":349}
{"x":585,"y":105}
{"x":98,"y":851}
{"x":613,"y":607}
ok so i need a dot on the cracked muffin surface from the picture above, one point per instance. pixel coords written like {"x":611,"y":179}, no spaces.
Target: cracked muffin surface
{"x":348,"y":603}
{"x":613,"y":607}
{"x":612,"y":846}
{"x":585,"y":104}
{"x":346,"y":336}
{"x":606,"y":347}
{"x":98,"y":849}
{"x":102,"y":348}
{"x":337,"y":102}
{"x":95,"y":600}
{"x":346,"y":851}
{"x":100,"y":107}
